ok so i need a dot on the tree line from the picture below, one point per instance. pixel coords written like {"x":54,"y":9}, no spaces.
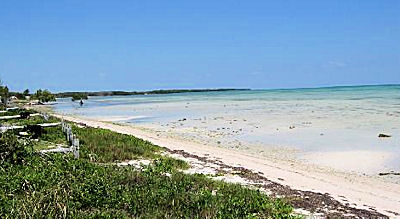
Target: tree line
{"x":40,"y":95}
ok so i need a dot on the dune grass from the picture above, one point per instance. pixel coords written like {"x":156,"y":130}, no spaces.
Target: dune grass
{"x":103,"y":145}
{"x":58,"y":186}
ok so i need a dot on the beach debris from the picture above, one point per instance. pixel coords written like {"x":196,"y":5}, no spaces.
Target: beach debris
{"x":390,"y":173}
{"x":321,"y":204}
{"x":138,"y":164}
{"x":23,"y":133}
{"x":59,"y":149}
{"x":384,"y":136}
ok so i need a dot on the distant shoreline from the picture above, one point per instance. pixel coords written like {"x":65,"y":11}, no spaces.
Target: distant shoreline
{"x":174,"y":91}
{"x":126,"y":93}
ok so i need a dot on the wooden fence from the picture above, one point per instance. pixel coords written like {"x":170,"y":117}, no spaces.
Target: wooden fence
{"x":71,"y":138}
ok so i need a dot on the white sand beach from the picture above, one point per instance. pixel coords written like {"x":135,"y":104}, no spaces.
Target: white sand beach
{"x":356,"y":190}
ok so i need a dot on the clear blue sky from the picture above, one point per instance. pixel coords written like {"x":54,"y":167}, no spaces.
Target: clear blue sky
{"x":141,"y":45}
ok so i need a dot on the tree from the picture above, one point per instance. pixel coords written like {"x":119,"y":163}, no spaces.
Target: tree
{"x":26,"y":92}
{"x":44,"y":96}
{"x":4,"y":93}
{"x":79,"y":96}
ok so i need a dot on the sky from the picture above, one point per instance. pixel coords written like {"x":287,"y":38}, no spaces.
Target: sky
{"x":144,"y":45}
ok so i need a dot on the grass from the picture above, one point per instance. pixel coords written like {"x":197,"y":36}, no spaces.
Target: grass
{"x":103,"y":145}
{"x":33,"y":185}
{"x":60,"y":186}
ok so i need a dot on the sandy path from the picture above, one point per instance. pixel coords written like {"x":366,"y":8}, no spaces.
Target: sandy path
{"x":358,"y":191}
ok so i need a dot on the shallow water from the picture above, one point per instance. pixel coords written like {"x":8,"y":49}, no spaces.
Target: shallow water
{"x":309,"y":121}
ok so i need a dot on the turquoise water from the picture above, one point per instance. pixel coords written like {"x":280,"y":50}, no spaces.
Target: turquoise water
{"x":308,"y":120}
{"x":387,"y":95}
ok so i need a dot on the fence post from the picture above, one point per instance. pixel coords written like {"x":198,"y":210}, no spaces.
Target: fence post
{"x":69,"y":134}
{"x":71,"y":138}
{"x":76,"y":148}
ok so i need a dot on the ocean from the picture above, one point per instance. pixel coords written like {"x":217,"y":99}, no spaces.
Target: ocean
{"x":312,"y":125}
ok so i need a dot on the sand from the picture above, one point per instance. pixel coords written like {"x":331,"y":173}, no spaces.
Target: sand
{"x":119,"y":118}
{"x":364,"y":192}
{"x":364,"y":161}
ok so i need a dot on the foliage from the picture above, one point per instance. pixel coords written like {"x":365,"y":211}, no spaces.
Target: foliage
{"x":26,"y":92}
{"x":57,"y":186}
{"x":54,"y":135}
{"x":114,"y":93}
{"x":13,"y":150}
{"x":20,"y":96}
{"x":106,"y":146}
{"x":44,"y":96}
{"x":4,"y":94}
{"x":79,"y":96}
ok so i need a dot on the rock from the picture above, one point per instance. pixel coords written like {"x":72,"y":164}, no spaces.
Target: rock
{"x":384,"y":136}
{"x":390,"y":173}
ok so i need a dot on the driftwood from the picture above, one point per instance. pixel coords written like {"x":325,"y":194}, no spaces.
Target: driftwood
{"x":22,"y":116}
{"x":10,"y":117}
{"x":43,"y":125}
{"x":5,"y":128}
{"x":12,"y":108}
{"x":58,"y":149}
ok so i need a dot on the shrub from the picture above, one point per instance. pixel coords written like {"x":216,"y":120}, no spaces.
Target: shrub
{"x":44,"y":96}
{"x":59,"y":186}
{"x":79,"y":96}
{"x":14,"y":150}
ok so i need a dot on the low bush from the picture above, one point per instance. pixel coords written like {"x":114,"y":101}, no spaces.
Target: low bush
{"x":59,"y":186}
{"x":14,"y":150}
{"x":103,"y":145}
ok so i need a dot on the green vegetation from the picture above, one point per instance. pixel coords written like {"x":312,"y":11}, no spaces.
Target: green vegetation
{"x":26,"y":92}
{"x":13,"y":150}
{"x":53,"y":135}
{"x":19,"y":95}
{"x":35,"y":185}
{"x":4,"y":94}
{"x":44,"y":96}
{"x":58,"y":186}
{"x":107,"y":146}
{"x":79,"y":96}
{"x":122,"y":93}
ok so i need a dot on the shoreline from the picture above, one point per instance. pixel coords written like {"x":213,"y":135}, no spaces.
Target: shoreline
{"x":350,"y":190}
